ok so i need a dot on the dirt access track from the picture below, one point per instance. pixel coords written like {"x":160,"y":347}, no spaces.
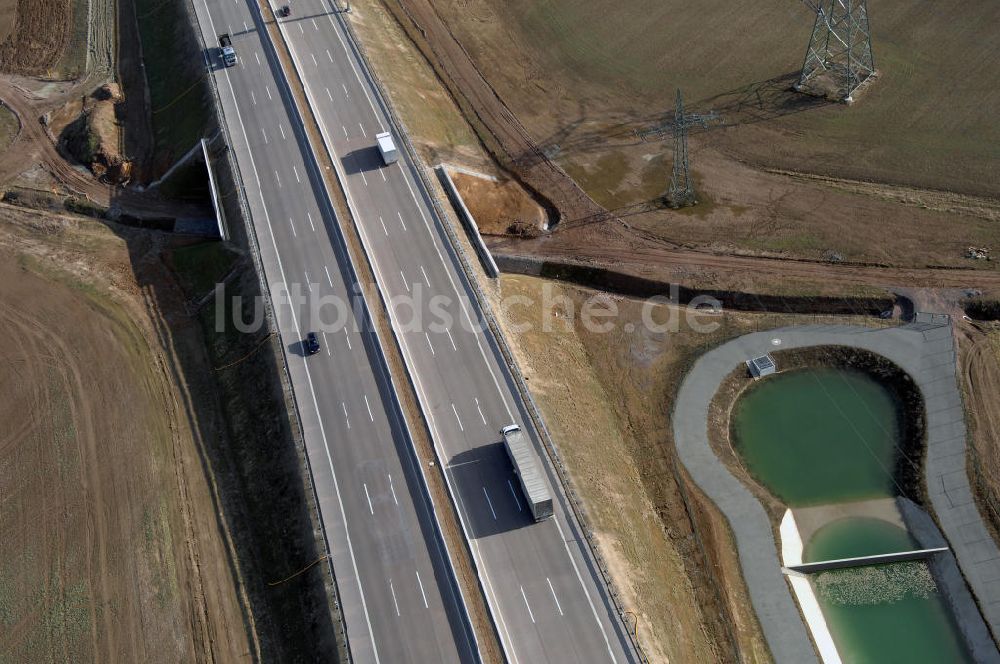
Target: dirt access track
{"x":111,"y":550}
{"x":34,"y":145}
{"x":634,"y":252}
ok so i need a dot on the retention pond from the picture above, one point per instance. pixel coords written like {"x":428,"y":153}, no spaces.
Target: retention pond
{"x":815,"y":436}
{"x":822,"y":436}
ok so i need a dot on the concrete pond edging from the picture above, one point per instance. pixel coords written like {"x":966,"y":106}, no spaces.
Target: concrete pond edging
{"x":925,"y":351}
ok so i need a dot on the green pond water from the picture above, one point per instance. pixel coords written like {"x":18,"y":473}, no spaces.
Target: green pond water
{"x":818,"y":436}
{"x":881,"y":613}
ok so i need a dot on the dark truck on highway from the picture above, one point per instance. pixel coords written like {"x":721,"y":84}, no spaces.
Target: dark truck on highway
{"x":528,"y":470}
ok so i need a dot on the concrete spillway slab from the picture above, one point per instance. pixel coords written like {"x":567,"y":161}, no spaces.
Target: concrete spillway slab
{"x":861,"y":561}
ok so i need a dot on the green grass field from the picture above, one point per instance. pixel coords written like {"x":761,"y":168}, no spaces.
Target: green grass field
{"x":573,"y":69}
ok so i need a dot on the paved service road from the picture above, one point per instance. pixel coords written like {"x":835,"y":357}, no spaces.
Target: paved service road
{"x":399,"y":599}
{"x":548,"y":603}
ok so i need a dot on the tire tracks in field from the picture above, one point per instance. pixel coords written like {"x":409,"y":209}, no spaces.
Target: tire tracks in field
{"x":63,"y":361}
{"x":634,"y":253}
{"x":34,"y":145}
{"x":980,"y":376}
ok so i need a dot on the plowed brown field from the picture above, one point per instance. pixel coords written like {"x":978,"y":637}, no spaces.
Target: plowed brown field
{"x":40,"y":33}
{"x":110,"y":549}
{"x":979,"y":363}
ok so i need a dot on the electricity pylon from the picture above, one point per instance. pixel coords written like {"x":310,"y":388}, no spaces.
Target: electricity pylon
{"x":681,"y":192}
{"x":840,"y":45}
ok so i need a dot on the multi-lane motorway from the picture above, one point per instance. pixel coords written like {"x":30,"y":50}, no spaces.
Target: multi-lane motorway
{"x":400,"y":601}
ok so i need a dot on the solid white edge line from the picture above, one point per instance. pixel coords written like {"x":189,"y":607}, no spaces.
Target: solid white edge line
{"x":477,"y":332}
{"x":350,"y":59}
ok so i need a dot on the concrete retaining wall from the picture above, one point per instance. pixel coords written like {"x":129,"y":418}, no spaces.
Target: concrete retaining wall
{"x":862,"y":561}
{"x":213,"y":188}
{"x":951,"y":585}
{"x":492,"y":271}
{"x":805,"y":595}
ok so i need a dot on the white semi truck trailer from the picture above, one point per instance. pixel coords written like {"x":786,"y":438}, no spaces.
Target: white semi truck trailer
{"x":387,"y":148}
{"x":528,"y":469}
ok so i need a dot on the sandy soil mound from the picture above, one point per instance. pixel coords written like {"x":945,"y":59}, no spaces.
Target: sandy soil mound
{"x":500,"y":207}
{"x":94,"y":137}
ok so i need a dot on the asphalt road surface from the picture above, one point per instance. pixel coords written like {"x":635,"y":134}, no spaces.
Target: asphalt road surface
{"x":399,"y":599}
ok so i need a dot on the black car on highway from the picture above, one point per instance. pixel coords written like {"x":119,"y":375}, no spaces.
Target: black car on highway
{"x":311,"y":344}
